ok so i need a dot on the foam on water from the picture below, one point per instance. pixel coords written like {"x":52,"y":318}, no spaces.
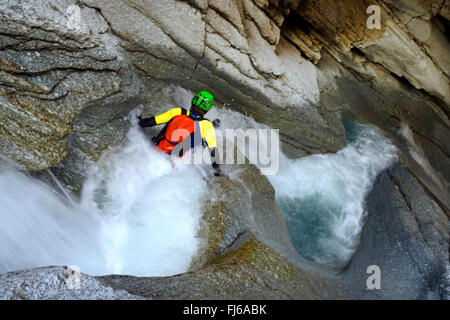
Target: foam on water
{"x":322,"y":196}
{"x":138,"y":214}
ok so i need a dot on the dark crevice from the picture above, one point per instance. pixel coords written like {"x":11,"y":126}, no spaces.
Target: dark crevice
{"x":203,"y":53}
{"x":68,"y":69}
{"x":235,"y":240}
{"x":58,"y":33}
{"x":295,"y":21}
{"x":90,"y":131}
{"x":41,"y":94}
{"x":405,"y":198}
{"x":445,"y":24}
{"x":51,"y":45}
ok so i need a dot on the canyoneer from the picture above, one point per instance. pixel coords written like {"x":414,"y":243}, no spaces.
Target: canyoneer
{"x":186,"y":129}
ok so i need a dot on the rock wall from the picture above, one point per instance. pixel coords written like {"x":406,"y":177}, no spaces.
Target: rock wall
{"x":243,"y":60}
{"x":253,"y":271}
{"x":295,"y":65}
{"x":406,"y":236}
{"x":55,"y":283}
{"x":394,"y":77}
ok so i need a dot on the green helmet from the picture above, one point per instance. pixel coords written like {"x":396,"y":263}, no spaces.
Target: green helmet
{"x":203,"y":100}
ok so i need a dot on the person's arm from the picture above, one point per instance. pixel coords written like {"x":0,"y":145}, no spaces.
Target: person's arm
{"x":209,"y":134}
{"x":215,"y":162}
{"x":162,"y":118}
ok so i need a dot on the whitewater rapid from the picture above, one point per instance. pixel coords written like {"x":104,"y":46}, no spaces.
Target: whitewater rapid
{"x":322,"y":196}
{"x":138,"y":214}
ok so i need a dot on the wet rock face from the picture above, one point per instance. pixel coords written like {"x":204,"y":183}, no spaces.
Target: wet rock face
{"x":406,"y":236}
{"x":413,"y":121}
{"x":243,"y":204}
{"x":53,"y":69}
{"x":236,"y":51}
{"x":248,"y":252}
{"x":253,"y":271}
{"x":248,"y":255}
{"x":48,"y":74}
{"x":294,"y":65}
{"x":393,"y":77}
{"x":61,"y":283}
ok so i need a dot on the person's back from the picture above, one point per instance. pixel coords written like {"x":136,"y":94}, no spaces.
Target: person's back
{"x":188,"y":128}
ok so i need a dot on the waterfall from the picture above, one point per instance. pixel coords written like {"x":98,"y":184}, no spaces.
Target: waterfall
{"x":322,"y":196}
{"x":138,"y":215}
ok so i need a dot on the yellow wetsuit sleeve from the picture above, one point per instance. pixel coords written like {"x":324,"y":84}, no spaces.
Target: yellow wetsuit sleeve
{"x":167,"y":116}
{"x":208,"y":133}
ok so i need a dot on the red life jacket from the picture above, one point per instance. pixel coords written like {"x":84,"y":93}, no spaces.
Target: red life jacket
{"x":177,"y":130}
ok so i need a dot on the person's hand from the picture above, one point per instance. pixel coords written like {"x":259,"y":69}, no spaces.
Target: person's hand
{"x":220,"y":174}
{"x":216,"y":123}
